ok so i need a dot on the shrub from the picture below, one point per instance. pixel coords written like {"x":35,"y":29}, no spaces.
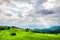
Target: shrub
{"x":13,"y":34}
{"x":2,"y":28}
{"x":28,"y":30}
{"x":8,"y":28}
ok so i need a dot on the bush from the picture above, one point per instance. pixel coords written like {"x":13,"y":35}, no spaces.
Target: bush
{"x":28,"y":30}
{"x":13,"y":34}
{"x":8,"y":28}
{"x":2,"y":28}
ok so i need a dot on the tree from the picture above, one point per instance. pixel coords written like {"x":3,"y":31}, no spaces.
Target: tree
{"x":28,"y":30}
{"x":8,"y":28}
{"x":2,"y":28}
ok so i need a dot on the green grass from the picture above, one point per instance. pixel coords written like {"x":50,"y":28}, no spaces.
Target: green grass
{"x":21,"y":34}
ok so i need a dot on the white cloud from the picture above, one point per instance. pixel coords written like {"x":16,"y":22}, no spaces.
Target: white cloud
{"x":50,"y":4}
{"x":14,"y":7}
{"x":43,"y":13}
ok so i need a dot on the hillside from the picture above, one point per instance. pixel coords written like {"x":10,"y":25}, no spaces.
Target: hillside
{"x":51,"y":30}
{"x":21,"y":34}
{"x":54,"y":27}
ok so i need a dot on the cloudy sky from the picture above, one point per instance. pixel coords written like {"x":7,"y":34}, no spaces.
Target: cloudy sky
{"x":30,"y":13}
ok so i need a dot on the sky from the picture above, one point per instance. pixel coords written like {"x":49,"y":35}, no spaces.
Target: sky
{"x":30,"y":13}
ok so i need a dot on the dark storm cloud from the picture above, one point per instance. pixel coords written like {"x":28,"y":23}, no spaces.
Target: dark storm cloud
{"x":41,"y":13}
{"x":9,"y":15}
{"x":45,"y":12}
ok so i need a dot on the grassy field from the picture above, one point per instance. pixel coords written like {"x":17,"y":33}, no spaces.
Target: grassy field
{"x":21,"y":34}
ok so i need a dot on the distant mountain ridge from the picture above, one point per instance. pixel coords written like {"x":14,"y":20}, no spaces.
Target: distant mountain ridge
{"x":53,"y":29}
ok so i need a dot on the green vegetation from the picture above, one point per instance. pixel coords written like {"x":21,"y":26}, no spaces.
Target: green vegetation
{"x":14,"y":33}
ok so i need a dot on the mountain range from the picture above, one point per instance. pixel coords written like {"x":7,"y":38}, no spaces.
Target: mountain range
{"x":53,"y":29}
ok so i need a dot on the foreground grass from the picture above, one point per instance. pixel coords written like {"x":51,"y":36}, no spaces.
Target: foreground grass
{"x":23,"y":35}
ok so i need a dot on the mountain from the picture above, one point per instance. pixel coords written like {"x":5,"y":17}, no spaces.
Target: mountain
{"x":53,"y":29}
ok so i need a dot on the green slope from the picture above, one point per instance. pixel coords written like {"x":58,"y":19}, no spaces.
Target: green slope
{"x":21,"y":34}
